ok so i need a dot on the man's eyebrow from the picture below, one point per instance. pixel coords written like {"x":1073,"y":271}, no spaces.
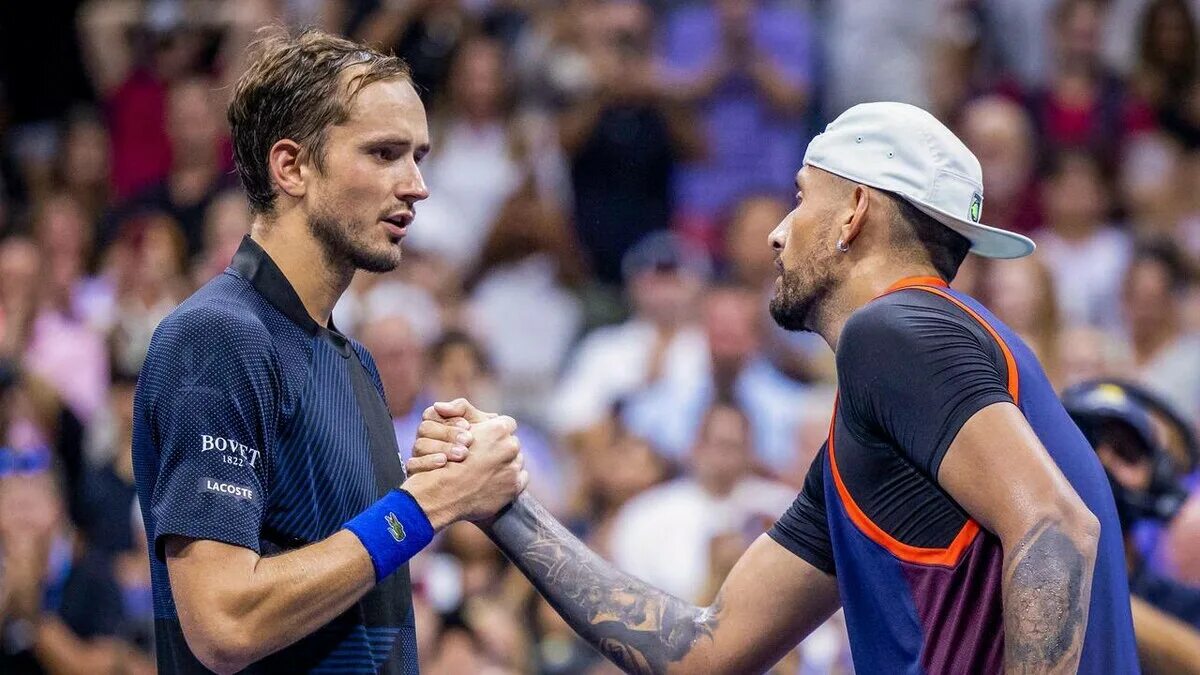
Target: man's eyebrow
{"x":389,"y":139}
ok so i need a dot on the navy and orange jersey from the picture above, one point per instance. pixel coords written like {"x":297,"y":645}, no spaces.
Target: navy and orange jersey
{"x":920,"y":580}
{"x":256,"y":427}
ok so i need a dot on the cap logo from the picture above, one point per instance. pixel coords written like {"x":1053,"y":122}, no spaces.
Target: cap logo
{"x":1111,"y":394}
{"x":976,"y":207}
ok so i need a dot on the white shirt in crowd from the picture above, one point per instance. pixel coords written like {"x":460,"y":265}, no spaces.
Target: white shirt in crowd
{"x":662,"y":536}
{"x":527,"y":322}
{"x":613,"y":362}
{"x":1088,"y":274}
{"x":470,"y":177}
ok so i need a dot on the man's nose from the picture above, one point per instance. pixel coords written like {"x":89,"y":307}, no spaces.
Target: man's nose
{"x":413,"y":189}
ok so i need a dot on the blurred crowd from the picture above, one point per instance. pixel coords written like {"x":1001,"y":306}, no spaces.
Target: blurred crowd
{"x":592,"y":261}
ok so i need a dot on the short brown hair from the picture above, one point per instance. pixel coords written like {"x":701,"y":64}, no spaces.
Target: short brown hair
{"x":292,"y":88}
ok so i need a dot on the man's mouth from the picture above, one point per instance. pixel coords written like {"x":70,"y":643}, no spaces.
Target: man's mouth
{"x":397,"y":223}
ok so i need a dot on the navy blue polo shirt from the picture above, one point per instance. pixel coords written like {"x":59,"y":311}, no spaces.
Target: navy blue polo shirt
{"x":257,"y":427}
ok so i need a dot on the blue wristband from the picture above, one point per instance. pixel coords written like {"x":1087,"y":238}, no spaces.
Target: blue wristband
{"x":392,"y":530}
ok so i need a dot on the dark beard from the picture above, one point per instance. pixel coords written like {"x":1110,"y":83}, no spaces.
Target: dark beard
{"x":340,"y":246}
{"x":794,"y":307}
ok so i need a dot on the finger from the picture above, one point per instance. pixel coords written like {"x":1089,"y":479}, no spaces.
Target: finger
{"x":461,"y":407}
{"x":425,"y":447}
{"x":432,"y":415}
{"x":439,"y":431}
{"x":522,"y":481}
{"x":428,"y":463}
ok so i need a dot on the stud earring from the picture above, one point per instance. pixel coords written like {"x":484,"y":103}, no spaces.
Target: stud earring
{"x":843,"y":246}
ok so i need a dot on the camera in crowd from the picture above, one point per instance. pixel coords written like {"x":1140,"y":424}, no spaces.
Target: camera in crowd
{"x":1128,"y":427}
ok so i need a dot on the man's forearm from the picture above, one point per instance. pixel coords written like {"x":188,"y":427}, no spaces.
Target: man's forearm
{"x":261,"y":605}
{"x":1047,"y":588}
{"x":636,"y":626}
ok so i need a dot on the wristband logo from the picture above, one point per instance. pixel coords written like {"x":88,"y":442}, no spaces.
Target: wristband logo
{"x":232,"y":451}
{"x":395,"y":527}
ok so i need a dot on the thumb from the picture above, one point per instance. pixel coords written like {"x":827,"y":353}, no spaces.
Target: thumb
{"x":461,"y":407}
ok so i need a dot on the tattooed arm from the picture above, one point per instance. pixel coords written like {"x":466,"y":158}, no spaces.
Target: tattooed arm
{"x":1048,"y":534}
{"x":770,"y":601}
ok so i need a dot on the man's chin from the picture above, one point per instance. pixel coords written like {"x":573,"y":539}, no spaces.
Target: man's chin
{"x":378,"y":261}
{"x":790,"y":316}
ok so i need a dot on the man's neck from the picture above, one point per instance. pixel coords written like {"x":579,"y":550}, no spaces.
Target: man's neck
{"x":318,"y":281}
{"x":869,"y":279}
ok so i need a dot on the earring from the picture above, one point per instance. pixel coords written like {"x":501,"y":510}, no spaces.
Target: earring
{"x":843,"y":246}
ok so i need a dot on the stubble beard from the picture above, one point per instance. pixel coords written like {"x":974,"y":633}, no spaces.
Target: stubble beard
{"x":797,"y":304}
{"x":345,"y":244}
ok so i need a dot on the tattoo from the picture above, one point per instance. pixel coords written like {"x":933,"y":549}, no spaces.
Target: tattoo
{"x":636,"y":626}
{"x":1047,"y":588}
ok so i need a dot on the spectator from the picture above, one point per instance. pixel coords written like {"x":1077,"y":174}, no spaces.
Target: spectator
{"x":1021,"y":294}
{"x":856,"y":73}
{"x":64,"y":236}
{"x":484,"y":155}
{"x":84,"y":165}
{"x":664,"y":278}
{"x":622,"y":141}
{"x":425,"y":33}
{"x":1085,"y":353}
{"x":614,"y":466}
{"x":136,"y":51}
{"x":400,"y":358}
{"x":1168,"y":63}
{"x":1150,"y":184}
{"x":550,"y":53}
{"x":108,"y":501}
{"x":736,"y":371}
{"x":1165,"y":359}
{"x":750,"y":262}
{"x":459,"y":368}
{"x":663,"y":536}
{"x":746,"y":65}
{"x":67,"y":610}
{"x":199,"y":163}
{"x":226,"y":222}
{"x":1086,"y":256}
{"x":153,"y":280}
{"x":1001,"y":135}
{"x":526,"y":285}
{"x":1084,"y":105}
{"x":51,"y":343}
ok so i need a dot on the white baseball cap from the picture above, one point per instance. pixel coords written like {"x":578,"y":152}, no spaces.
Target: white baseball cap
{"x":902,"y":149}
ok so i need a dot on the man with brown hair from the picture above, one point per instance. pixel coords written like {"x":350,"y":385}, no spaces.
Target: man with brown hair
{"x":266,"y":466}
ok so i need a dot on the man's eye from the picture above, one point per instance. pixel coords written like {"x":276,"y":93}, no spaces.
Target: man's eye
{"x":386,"y":154}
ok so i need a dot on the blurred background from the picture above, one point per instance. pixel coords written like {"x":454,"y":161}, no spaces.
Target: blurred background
{"x":592,"y":260}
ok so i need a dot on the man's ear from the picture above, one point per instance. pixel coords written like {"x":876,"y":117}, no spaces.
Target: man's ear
{"x":287,"y":166}
{"x":852,"y":223}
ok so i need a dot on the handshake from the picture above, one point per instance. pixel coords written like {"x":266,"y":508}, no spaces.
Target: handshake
{"x":466,"y":464}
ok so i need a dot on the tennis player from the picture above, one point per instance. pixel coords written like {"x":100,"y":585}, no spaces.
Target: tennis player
{"x":267,"y":469}
{"x":956,"y":512}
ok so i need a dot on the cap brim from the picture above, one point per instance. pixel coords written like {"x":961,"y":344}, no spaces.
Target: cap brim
{"x":986,"y":241}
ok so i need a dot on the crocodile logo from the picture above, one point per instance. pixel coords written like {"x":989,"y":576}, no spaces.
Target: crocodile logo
{"x":395,"y":527}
